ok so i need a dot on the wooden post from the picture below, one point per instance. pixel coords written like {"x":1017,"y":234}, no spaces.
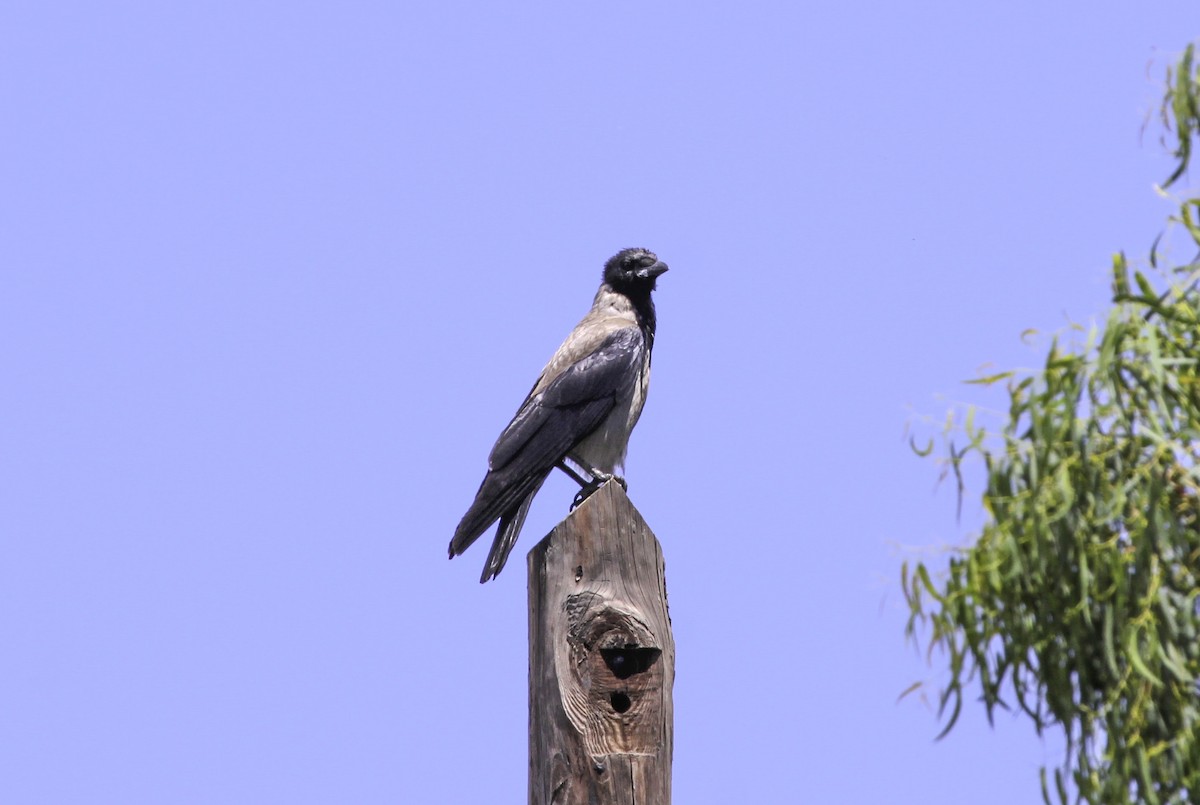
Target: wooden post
{"x":601,"y":660}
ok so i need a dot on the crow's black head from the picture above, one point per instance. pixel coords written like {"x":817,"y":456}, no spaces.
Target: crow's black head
{"x":633,"y":271}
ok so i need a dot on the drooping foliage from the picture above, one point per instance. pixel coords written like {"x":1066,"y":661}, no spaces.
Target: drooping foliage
{"x":1079,"y":602}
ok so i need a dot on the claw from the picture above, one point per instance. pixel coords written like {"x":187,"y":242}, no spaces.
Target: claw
{"x":580,"y":497}
{"x":599,"y":479}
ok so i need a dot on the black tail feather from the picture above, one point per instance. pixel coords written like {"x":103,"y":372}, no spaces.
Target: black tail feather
{"x":506,"y":536}
{"x":497,"y":499}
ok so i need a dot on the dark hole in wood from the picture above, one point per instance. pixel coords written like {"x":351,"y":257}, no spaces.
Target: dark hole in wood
{"x":620,"y":702}
{"x":578,"y":572}
{"x":625,"y":662}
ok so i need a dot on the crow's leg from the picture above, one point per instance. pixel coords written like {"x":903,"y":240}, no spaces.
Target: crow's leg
{"x":576,"y":477}
{"x":598,"y":479}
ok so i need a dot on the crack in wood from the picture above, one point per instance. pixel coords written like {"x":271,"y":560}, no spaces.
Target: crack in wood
{"x":602,"y":660}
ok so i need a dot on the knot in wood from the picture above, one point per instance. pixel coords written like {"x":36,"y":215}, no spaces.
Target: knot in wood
{"x":601,"y":660}
{"x":611,"y":678}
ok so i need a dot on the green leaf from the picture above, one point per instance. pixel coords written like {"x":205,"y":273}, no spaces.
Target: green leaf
{"x":1135,"y":659}
{"x":1174,"y":662}
{"x":918,"y":450}
{"x":990,"y":379}
{"x":1148,"y":292}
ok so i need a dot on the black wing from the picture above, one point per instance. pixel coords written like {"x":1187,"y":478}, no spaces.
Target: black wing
{"x":572,"y":405}
{"x":548,"y":424}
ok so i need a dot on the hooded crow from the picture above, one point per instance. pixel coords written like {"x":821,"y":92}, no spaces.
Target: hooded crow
{"x":581,"y":410}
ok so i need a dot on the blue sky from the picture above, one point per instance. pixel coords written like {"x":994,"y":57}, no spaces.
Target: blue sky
{"x":276,"y":275}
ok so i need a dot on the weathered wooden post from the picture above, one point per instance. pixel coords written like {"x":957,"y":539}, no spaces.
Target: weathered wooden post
{"x":601,"y":660}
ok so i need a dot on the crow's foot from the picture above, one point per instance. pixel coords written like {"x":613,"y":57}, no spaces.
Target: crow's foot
{"x":599,"y":479}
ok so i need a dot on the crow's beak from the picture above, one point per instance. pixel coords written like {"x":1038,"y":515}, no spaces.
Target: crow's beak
{"x":650,"y":272}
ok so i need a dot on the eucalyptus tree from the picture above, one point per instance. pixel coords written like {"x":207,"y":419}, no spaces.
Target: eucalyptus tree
{"x":1077,"y":603}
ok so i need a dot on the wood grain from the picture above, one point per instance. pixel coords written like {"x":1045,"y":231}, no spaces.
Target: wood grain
{"x":601,"y":660}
